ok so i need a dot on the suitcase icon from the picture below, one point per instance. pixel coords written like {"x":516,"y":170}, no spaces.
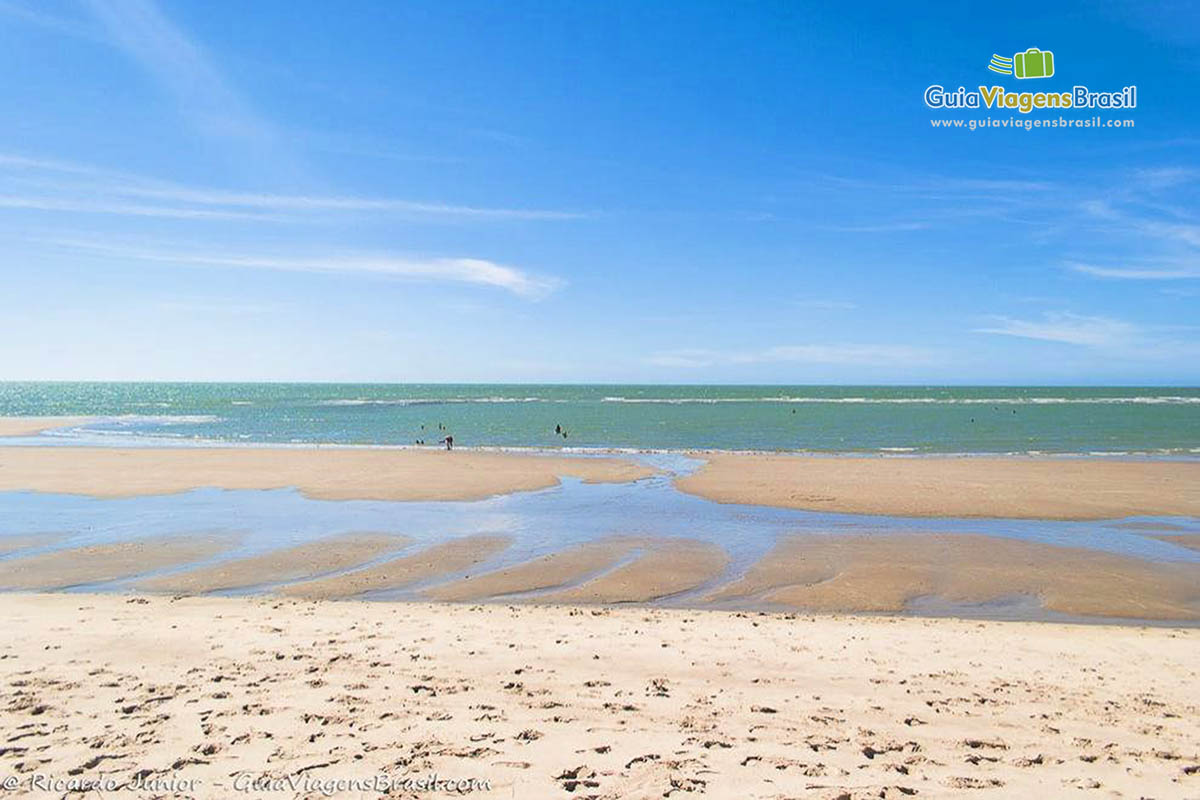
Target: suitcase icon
{"x":1033,"y":63}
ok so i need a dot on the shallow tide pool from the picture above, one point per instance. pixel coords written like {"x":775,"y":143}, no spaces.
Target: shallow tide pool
{"x":537,"y":522}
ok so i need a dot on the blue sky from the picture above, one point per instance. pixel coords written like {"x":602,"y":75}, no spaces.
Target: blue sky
{"x":623,"y":192}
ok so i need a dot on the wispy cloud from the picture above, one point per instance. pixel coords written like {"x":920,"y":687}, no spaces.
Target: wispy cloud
{"x":1149,"y":217}
{"x":1068,"y":328}
{"x":476,"y":271}
{"x":1188,"y":234}
{"x":841,"y":354}
{"x":55,"y":185}
{"x":51,"y":22}
{"x":941,"y":184}
{"x":818,"y":304}
{"x":220,"y":306}
{"x":927,"y":201}
{"x":1163,"y":272}
{"x":182,"y":67}
{"x":41,"y":203}
{"x":1159,"y":231}
{"x":883,"y":227}
{"x":1155,"y":178}
{"x":1116,"y":339}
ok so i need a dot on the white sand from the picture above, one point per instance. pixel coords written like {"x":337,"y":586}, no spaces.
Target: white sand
{"x":548,"y":701}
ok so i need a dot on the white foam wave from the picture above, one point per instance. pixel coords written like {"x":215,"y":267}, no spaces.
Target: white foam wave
{"x":997,"y":401}
{"x":131,"y":424}
{"x":435,"y":401}
{"x":164,"y":419}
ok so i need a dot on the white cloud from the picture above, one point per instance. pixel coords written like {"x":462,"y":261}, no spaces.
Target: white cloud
{"x":846,"y":354}
{"x":124,"y":209}
{"x":49,"y":21}
{"x":1189,"y":234}
{"x":1162,"y":273}
{"x":1068,"y":328}
{"x":1166,"y":177}
{"x":686,"y":359}
{"x":884,"y":227}
{"x":284,"y":202}
{"x":826,"y":305}
{"x":40,"y":184}
{"x":1100,"y":209}
{"x":475,"y":271}
{"x":1168,"y":232}
{"x":220,"y":306}
{"x":941,"y":184}
{"x":143,"y":31}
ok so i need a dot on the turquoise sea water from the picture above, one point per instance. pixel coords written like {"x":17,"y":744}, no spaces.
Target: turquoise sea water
{"x":870,"y":419}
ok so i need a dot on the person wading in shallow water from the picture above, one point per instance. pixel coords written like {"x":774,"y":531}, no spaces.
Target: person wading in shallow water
{"x":449,"y":440}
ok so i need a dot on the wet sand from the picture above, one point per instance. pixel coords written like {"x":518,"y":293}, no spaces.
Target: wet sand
{"x":663,"y":567}
{"x":619,"y":569}
{"x":31,"y":426}
{"x":945,"y":574}
{"x":333,"y":474}
{"x":1065,"y":488}
{"x":549,"y":701}
{"x":1151,"y":527}
{"x":571,"y":565}
{"x":888,"y":572}
{"x":1188,"y":540}
{"x":445,"y":558}
{"x":953,"y":487}
{"x":302,"y":562}
{"x":107,"y":562}
{"x":11,"y":544}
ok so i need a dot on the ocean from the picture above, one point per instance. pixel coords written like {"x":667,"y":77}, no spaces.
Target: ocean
{"x":815,"y":419}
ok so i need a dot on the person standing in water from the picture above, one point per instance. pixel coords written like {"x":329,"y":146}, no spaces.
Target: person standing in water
{"x":449,"y":440}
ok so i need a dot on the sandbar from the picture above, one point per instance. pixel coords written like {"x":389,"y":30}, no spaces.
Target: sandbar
{"x":100,"y":563}
{"x":445,"y":558}
{"x":550,"y":571}
{"x":11,"y":544}
{"x":301,"y":562}
{"x":327,"y":474}
{"x":887,"y":572}
{"x":1038,"y":488}
{"x":1189,"y":540}
{"x":664,"y":567}
{"x":31,"y":426}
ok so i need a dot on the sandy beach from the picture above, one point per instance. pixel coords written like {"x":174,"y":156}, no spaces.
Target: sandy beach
{"x":449,"y":557}
{"x":328,"y":474}
{"x":620,"y":569}
{"x":1032,"y":488}
{"x":964,"y":574}
{"x":627,"y":666}
{"x":30,"y":426}
{"x":101,"y":563}
{"x":555,"y":701}
{"x":1058,"y":488}
{"x":889,"y":572}
{"x":599,"y":401}
{"x":822,"y":570}
{"x":332,"y":554}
